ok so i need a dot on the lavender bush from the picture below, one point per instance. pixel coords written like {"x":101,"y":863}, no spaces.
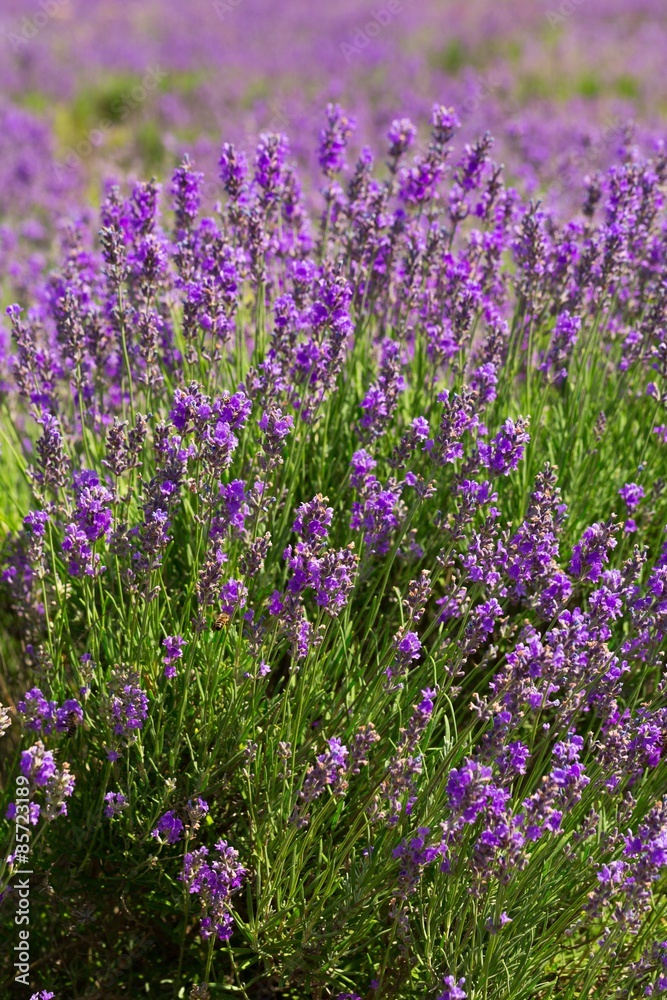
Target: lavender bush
{"x":334,"y":584}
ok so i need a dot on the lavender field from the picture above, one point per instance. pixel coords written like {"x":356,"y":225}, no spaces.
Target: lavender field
{"x":333,"y":500}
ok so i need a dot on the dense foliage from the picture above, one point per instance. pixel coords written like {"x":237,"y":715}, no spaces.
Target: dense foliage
{"x":332,"y":507}
{"x":334,"y":579}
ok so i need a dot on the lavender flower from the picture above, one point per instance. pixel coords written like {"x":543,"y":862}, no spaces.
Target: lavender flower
{"x":174,"y":645}
{"x":34,"y":812}
{"x":530,"y":559}
{"x":494,"y":926}
{"x":381,"y":400}
{"x":127,"y":707}
{"x":591,"y":553}
{"x":233,"y":596}
{"x":407,"y":648}
{"x":398,"y":791}
{"x":413,"y":855}
{"x":561,"y":789}
{"x":276,"y":426}
{"x":425,"y":307}
{"x":632,"y":494}
{"x":92,"y":521}
{"x":214,"y":882}
{"x":38,"y":764}
{"x":185,"y":188}
{"x":169,"y":828}
{"x":513,"y":759}
{"x":626,"y":882}
{"x":563,"y":339}
{"x":197,"y":809}
{"x":444,"y":122}
{"x":502,"y":455}
{"x":233,"y":171}
{"x":333,"y":140}
{"x":53,"y":467}
{"x":116,"y":802}
{"x":68,"y":716}
{"x":329,"y":771}
{"x":401,"y":136}
{"x":313,"y":519}
{"x":419,"y":592}
{"x":37,"y":713}
{"x":453,"y":989}
{"x":270,"y":158}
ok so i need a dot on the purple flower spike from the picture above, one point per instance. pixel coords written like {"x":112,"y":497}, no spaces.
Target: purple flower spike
{"x":169,"y":828}
{"x":174,"y":645}
{"x":333,"y":140}
{"x":632,"y":494}
{"x":453,"y":989}
{"x":401,"y":136}
{"x":214,"y":882}
{"x":38,"y":764}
